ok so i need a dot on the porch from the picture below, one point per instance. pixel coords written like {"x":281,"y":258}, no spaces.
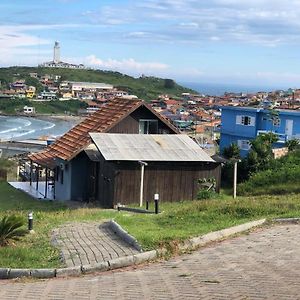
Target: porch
{"x":38,"y":191}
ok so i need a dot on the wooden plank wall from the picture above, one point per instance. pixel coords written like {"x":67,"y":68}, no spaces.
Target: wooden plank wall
{"x":105,"y":192}
{"x":173,"y":181}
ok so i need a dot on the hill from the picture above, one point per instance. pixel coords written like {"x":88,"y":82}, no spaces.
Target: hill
{"x":146,"y":88}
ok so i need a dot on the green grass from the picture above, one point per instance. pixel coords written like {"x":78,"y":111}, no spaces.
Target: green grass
{"x":177,"y":222}
{"x":13,"y":106}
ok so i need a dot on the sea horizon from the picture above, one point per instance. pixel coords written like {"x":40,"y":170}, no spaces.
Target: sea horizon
{"x":218,"y":89}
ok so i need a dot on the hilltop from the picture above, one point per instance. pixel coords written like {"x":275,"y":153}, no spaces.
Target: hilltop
{"x":146,"y":88}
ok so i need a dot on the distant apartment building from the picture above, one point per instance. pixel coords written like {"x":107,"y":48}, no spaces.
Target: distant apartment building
{"x":47,"y":96}
{"x":240,"y":125}
{"x":85,"y":89}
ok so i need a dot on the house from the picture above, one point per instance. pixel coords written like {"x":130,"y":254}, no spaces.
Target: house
{"x":242,"y":124}
{"x":30,"y":92}
{"x":66,"y":159}
{"x":29,"y":109}
{"x":168,"y":164}
{"x":48,"y":96}
{"x":80,"y":171}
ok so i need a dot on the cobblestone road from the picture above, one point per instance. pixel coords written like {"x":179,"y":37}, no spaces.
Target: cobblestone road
{"x":89,"y":243}
{"x":262,"y":265}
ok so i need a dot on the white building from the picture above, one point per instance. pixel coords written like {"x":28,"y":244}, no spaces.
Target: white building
{"x":56,"y":53}
{"x":57,"y":63}
{"x":29,"y":109}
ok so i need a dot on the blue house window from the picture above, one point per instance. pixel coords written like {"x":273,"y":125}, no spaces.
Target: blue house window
{"x":244,"y":144}
{"x":245,"y":120}
{"x":276,"y":122}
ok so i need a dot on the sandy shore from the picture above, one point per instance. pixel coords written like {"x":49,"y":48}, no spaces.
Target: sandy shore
{"x":75,"y":119}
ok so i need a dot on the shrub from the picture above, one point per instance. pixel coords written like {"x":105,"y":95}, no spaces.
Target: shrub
{"x":282,"y":176}
{"x":205,"y":194}
{"x":292,"y":144}
{"x":10,"y":229}
{"x":232,"y":151}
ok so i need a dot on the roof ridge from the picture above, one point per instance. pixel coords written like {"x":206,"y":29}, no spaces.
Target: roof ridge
{"x":77,"y":138}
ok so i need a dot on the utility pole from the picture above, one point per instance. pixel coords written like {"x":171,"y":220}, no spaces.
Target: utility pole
{"x":143,"y":164}
{"x":235,"y":162}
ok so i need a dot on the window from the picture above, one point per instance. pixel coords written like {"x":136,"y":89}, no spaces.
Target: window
{"x":244,"y":144}
{"x":245,"y":120}
{"x":276,"y":122}
{"x":148,"y":126}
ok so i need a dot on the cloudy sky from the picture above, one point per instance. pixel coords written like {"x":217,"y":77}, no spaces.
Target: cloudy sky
{"x":253,"y":42}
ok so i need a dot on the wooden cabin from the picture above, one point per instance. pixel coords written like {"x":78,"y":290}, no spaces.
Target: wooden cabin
{"x":74,"y":171}
{"x":82,"y":173}
{"x":132,"y":168}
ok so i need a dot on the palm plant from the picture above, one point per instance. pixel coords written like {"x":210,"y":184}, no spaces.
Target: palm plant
{"x":10,"y":229}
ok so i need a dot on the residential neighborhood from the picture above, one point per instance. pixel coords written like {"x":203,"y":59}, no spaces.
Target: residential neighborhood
{"x":149,"y":150}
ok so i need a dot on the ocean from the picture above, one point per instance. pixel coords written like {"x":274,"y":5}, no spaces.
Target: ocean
{"x":216,"y":89}
{"x":23,"y":128}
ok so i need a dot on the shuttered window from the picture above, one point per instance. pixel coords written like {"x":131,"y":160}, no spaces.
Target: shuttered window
{"x":245,"y":120}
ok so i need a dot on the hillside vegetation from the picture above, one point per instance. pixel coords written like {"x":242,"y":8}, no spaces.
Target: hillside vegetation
{"x":282,"y":177}
{"x":146,"y":88}
{"x":13,"y":106}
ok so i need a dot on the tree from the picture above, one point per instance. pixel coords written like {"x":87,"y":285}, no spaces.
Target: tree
{"x":273,"y":117}
{"x":34,"y":82}
{"x":261,"y":154}
{"x":4,"y":83}
{"x":232,"y":151}
{"x":169,"y":83}
{"x":292,"y":144}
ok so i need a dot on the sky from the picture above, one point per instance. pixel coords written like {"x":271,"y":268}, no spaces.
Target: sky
{"x":242,"y":42}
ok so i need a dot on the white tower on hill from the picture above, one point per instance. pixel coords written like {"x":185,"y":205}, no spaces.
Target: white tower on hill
{"x":56,"y":53}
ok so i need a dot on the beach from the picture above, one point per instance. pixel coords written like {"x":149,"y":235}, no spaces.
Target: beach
{"x":17,"y":128}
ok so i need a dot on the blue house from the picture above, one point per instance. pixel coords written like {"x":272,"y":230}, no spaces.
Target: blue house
{"x":240,"y":125}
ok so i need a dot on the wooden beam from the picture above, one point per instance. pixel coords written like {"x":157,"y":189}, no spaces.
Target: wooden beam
{"x":46,"y":183}
{"x":37,"y":177}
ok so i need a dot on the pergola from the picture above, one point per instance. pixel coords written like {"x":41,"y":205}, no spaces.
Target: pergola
{"x":37,"y":174}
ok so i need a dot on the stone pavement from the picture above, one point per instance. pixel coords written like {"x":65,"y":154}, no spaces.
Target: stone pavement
{"x":264,"y":264}
{"x":89,"y":243}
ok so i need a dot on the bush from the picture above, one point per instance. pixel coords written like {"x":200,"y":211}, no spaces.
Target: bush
{"x":10,"y":229}
{"x":205,"y":194}
{"x":282,"y":176}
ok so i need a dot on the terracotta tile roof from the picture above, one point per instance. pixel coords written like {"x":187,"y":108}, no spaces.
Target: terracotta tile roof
{"x":75,"y":140}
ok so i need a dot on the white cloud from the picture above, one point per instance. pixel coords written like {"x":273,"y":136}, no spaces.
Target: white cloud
{"x":129,"y":65}
{"x":265,"y":22}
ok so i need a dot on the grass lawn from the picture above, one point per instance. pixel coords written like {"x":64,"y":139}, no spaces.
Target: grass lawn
{"x":178,"y":221}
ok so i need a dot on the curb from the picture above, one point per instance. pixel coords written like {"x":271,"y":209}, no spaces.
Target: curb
{"x":124,"y":235}
{"x":218,"y":235}
{"x":287,"y":220}
{"x":7,"y":273}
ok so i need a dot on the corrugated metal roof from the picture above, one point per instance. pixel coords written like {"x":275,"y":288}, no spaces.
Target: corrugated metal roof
{"x":149,"y":147}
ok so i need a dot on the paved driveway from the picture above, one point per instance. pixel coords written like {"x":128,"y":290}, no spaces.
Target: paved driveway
{"x":262,"y":265}
{"x":90,"y":243}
